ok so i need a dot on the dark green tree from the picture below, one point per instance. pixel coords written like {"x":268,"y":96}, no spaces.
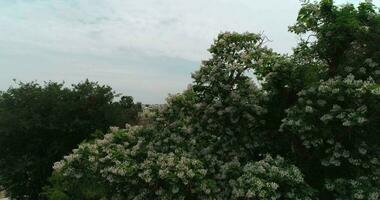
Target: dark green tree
{"x":41,"y":123}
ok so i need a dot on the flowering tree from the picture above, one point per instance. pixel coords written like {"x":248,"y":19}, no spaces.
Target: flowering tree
{"x":309,"y":130}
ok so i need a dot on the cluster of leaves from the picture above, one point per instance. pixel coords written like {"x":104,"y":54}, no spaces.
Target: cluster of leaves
{"x":40,"y":124}
{"x":309,"y":130}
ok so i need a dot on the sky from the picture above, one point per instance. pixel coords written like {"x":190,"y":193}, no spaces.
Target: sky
{"x":143,"y":48}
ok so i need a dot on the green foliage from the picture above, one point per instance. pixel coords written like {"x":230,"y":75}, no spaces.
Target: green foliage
{"x":336,"y":126}
{"x":346,"y":37}
{"x":309,"y":130}
{"x":40,"y":124}
{"x":88,"y":189}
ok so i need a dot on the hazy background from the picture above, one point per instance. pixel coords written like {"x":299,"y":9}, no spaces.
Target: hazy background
{"x":143,"y":48}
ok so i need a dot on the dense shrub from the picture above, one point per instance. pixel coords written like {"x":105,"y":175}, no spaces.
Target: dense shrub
{"x":40,"y":124}
{"x":309,"y":130}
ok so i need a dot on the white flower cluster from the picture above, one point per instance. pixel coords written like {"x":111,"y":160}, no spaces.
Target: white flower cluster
{"x":362,"y":188}
{"x":266,"y":178}
{"x":333,"y":120}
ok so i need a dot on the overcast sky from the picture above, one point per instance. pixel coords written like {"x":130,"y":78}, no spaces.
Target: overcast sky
{"x":143,"y":48}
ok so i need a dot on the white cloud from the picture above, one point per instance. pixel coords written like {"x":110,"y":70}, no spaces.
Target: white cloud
{"x":168,"y":27}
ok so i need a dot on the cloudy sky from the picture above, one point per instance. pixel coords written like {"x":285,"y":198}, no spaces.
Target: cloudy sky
{"x":143,"y":48}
